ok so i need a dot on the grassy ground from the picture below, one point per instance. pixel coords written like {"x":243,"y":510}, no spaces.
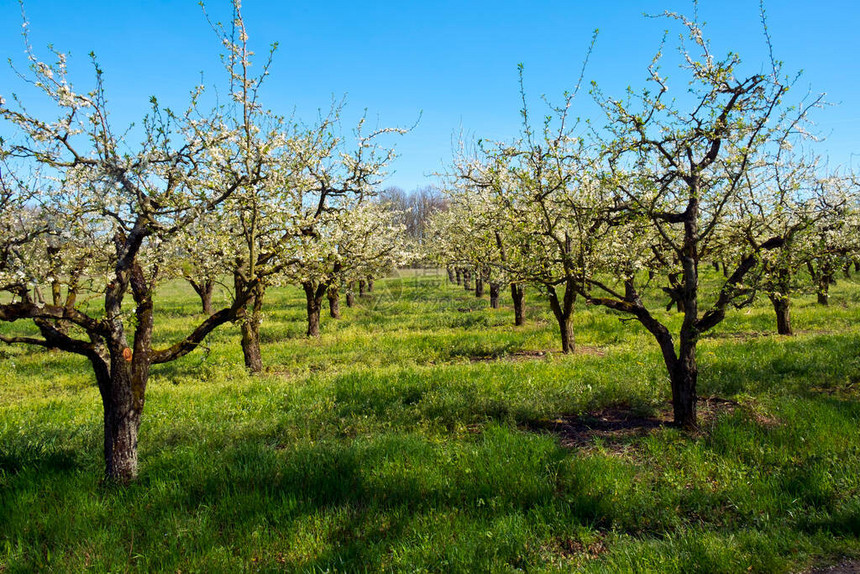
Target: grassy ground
{"x":417,"y":436}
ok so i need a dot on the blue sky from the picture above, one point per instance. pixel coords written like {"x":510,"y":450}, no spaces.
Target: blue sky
{"x":454,"y":63}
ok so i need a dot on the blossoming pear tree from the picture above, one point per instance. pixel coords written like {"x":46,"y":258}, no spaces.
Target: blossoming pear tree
{"x":124,"y":195}
{"x":547,"y":208}
{"x":355,"y":237}
{"x":678,"y":165}
{"x":833,"y":241}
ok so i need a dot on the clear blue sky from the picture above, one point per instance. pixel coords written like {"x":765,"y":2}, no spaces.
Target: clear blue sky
{"x":453,"y":62}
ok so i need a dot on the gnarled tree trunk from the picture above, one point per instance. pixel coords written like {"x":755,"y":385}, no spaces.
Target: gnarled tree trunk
{"x":684,"y":376}
{"x":782,"y":308}
{"x":250,"y":327}
{"x":563,"y":311}
{"x":122,"y":407}
{"x":204,"y":290}
{"x":333,"y":302}
{"x":494,"y":294}
{"x":825,"y":280}
{"x":314,"y":293}
{"x":682,"y":366}
{"x":350,"y":294}
{"x":518,"y":295}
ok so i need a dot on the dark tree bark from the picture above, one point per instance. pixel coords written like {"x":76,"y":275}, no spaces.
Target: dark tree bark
{"x":350,"y":294}
{"x":479,"y":285}
{"x":467,"y":279}
{"x":782,"y":307}
{"x":204,"y":290}
{"x":362,"y":288}
{"x":451,"y":277}
{"x":825,"y":280}
{"x":251,"y":331}
{"x":675,"y":291}
{"x":518,"y":295}
{"x":251,"y":319}
{"x":563,"y":311}
{"x":684,"y":378}
{"x":629,"y":288}
{"x":459,"y":275}
{"x":369,"y":284}
{"x":333,"y":295}
{"x":494,"y":294}
{"x":823,"y":277}
{"x":314,"y":293}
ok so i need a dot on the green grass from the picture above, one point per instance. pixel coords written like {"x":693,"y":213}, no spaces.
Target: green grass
{"x":404,"y":439}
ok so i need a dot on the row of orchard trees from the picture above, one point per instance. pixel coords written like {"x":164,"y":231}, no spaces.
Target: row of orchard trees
{"x":231,"y":191}
{"x":713,"y":177}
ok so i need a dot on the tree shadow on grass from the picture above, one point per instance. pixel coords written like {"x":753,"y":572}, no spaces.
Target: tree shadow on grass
{"x":345,"y":502}
{"x":618,"y":428}
{"x":13,"y":461}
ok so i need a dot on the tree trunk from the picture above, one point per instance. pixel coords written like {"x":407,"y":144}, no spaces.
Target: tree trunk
{"x":206,"y":299}
{"x":122,"y":424}
{"x":566,"y":330}
{"x":123,"y":372}
{"x":479,"y":285}
{"x":362,"y":288}
{"x":682,"y":367}
{"x":250,"y":330}
{"x":122,"y":409}
{"x":459,"y":274}
{"x":563,"y":311}
{"x":494,"y":294}
{"x":451,"y":277}
{"x":686,"y":372}
{"x":518,"y":295}
{"x":56,"y":292}
{"x":824,"y":282}
{"x":204,"y":290}
{"x":314,"y":293}
{"x":630,"y":289}
{"x":467,"y":279}
{"x":350,"y":294}
{"x":782,"y":307}
{"x":333,"y":302}
{"x":846,"y":270}
{"x":683,"y":376}
{"x":369,"y":284}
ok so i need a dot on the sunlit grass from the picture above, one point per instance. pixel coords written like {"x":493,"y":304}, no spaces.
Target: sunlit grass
{"x":404,"y":440}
